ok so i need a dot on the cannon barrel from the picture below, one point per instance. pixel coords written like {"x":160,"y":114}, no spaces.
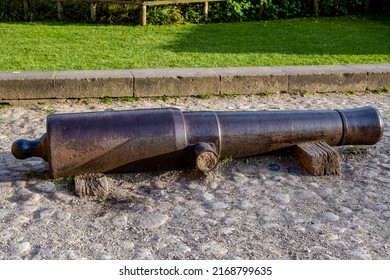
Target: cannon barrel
{"x":166,"y":139}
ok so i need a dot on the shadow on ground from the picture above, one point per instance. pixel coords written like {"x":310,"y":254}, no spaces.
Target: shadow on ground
{"x":311,"y":36}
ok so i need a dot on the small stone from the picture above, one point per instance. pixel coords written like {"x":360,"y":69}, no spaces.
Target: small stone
{"x":63,"y":215}
{"x":248,"y":169}
{"x":20,"y":184}
{"x":142,"y":254}
{"x":345,"y":210}
{"x":46,"y":187}
{"x":346,"y":167}
{"x":282,"y":198}
{"x":180,"y":221}
{"x":270,"y":226}
{"x":331,"y":236}
{"x":386,"y":214}
{"x":305,"y":194}
{"x":262,"y":200}
{"x":295,"y":186}
{"x":19,"y":220}
{"x":227,"y":230}
{"x":325,"y":192}
{"x":65,"y":255}
{"x":383,"y":180}
{"x":214,"y":249}
{"x":216,"y":205}
{"x":277,"y":178}
{"x":273,"y":167}
{"x":294,"y":170}
{"x":194,"y":186}
{"x":219,"y":214}
{"x":31,"y":198}
{"x":120,"y":220}
{"x":207,"y":196}
{"x":159,"y":184}
{"x":3,"y":213}
{"x":61,"y":196}
{"x":240,"y":178}
{"x":4,"y":174}
{"x":4,"y":184}
{"x":183,"y":249}
{"x":199,"y":212}
{"x":105,"y":257}
{"x":245,"y":204}
{"x":152,"y":221}
{"x":21,"y":248}
{"x":386,"y":166}
{"x":358,"y":253}
{"x":127,"y":245}
{"x":315,"y":227}
{"x":45,"y":213}
{"x":299,"y":228}
{"x":327,"y":217}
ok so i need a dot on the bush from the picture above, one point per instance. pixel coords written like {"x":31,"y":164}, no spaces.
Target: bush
{"x":231,"y":10}
{"x":12,"y":10}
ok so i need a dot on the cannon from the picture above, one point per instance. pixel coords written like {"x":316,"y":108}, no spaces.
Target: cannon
{"x":168,"y":138}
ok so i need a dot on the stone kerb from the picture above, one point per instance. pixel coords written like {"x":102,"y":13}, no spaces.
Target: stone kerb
{"x":191,"y":81}
{"x":65,"y":84}
{"x":252,"y":80}
{"x":325,"y":78}
{"x":175,"y":82}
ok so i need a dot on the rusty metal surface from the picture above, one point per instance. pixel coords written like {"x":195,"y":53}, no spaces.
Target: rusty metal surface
{"x":153,"y":139}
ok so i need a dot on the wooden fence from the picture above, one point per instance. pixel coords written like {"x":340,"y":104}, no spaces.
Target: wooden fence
{"x":144,"y":4}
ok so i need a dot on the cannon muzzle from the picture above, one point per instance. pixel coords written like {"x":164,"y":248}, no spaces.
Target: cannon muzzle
{"x":166,"y":139}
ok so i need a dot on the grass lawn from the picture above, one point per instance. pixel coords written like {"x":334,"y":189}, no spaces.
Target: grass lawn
{"x":56,"y":46}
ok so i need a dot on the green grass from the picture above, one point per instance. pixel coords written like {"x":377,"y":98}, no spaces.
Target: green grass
{"x":314,"y":41}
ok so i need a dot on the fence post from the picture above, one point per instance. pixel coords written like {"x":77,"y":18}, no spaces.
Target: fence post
{"x":315,"y":7}
{"x":93,"y":11}
{"x":261,"y":8}
{"x":26,"y":9}
{"x":143,"y":14}
{"x":366,"y":6}
{"x":206,"y":11}
{"x":60,"y":10}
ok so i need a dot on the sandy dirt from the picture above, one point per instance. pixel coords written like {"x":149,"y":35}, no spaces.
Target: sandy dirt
{"x":263,"y":207}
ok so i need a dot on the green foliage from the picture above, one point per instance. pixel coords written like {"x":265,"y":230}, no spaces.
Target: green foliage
{"x":350,"y":92}
{"x":228,"y":95}
{"x":354,"y":150}
{"x":192,"y":13}
{"x":116,"y":13}
{"x":281,"y":9}
{"x":265,"y":93}
{"x":205,"y":96}
{"x":341,"y":7}
{"x":225,"y":11}
{"x":166,"y":14}
{"x":227,"y":160}
{"x":107,"y":100}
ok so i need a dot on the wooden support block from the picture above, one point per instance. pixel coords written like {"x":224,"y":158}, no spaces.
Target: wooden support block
{"x":318,"y":158}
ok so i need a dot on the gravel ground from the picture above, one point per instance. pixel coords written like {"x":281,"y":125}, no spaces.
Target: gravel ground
{"x":262,"y":207}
